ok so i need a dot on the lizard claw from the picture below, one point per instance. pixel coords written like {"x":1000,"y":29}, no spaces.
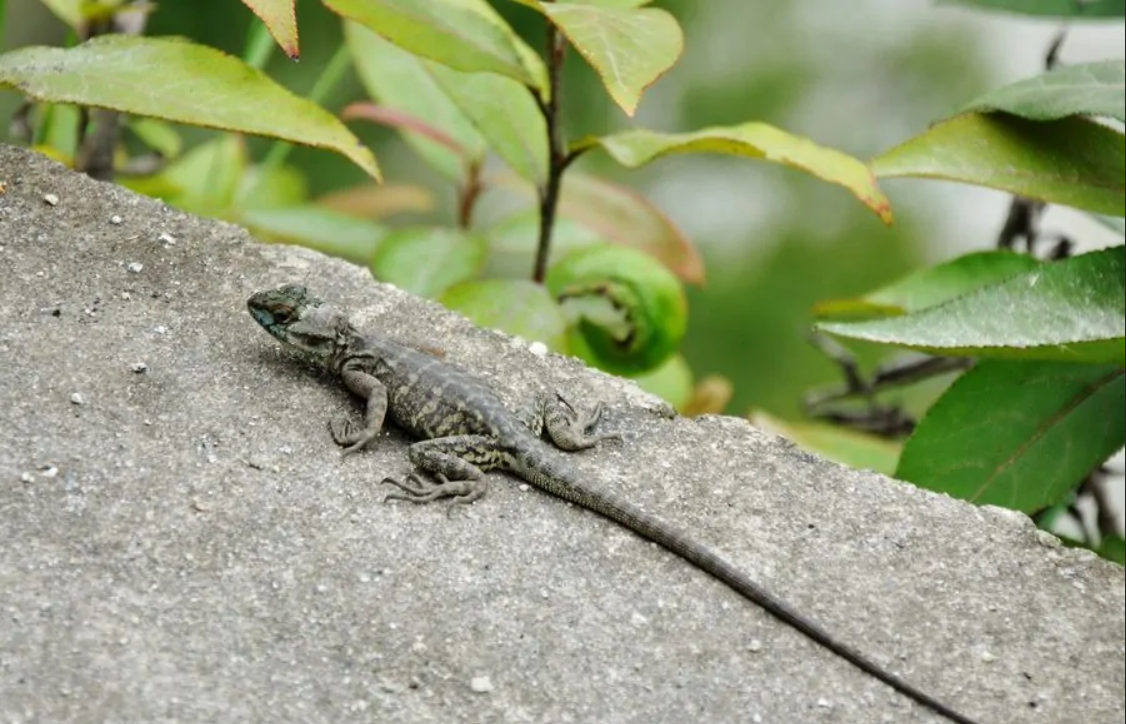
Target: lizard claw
{"x":416,"y":489}
{"x":346,"y":434}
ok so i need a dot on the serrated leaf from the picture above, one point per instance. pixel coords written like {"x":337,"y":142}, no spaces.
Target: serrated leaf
{"x":280,"y":19}
{"x":177,"y":81}
{"x":1076,"y":9}
{"x":628,"y":48}
{"x":519,"y":307}
{"x":403,"y":81}
{"x":1093,"y":89}
{"x":314,"y":227}
{"x":467,"y":35}
{"x":426,"y":261}
{"x":932,"y":286}
{"x":1072,"y":161}
{"x":750,"y":140}
{"x":1018,"y":434}
{"x":1070,"y":310}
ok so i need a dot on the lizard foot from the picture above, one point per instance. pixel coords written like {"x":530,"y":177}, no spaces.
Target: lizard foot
{"x":349,"y":435}
{"x":570,"y":429}
{"x":416,"y":489}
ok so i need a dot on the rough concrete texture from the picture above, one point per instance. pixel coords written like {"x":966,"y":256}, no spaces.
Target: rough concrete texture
{"x":181,"y":542}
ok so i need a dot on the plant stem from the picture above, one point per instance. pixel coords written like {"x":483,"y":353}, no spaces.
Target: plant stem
{"x":557,"y":154}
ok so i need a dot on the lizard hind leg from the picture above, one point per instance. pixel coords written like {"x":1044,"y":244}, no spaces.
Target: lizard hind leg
{"x":570,"y":429}
{"x":456,"y":465}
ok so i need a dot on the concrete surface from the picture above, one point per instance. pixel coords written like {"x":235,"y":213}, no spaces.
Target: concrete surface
{"x":181,"y":542}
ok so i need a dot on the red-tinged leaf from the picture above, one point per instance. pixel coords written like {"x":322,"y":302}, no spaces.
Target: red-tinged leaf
{"x":280,"y":19}
{"x":396,"y":118}
{"x":628,"y":48}
{"x":403,"y":81}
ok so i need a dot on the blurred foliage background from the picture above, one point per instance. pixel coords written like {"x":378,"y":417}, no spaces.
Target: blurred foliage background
{"x":858,"y":76}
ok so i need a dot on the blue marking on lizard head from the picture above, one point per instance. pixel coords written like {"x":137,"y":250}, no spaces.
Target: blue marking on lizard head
{"x":299,"y":319}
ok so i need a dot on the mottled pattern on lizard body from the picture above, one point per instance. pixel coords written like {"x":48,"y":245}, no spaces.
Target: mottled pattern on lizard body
{"x":464,"y":430}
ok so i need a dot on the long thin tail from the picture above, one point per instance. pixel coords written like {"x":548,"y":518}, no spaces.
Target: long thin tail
{"x":557,"y":477}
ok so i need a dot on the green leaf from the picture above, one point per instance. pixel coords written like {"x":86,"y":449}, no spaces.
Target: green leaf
{"x":1113,"y":548}
{"x":77,"y":13}
{"x":628,"y":313}
{"x":157,"y":135}
{"x":1071,"y":310}
{"x":315,"y":227}
{"x":1073,"y":161}
{"x":629,"y":49}
{"x":403,"y":81}
{"x":467,"y":35}
{"x":617,"y":214}
{"x":671,"y":381}
{"x":750,"y":140}
{"x":519,"y":307}
{"x":425,"y":261}
{"x":1075,"y":9}
{"x":208,"y":176}
{"x":177,"y":81}
{"x":504,"y":113}
{"x":839,"y":444}
{"x":1093,"y":89}
{"x":619,"y":4}
{"x":513,"y":241}
{"x":1018,"y":434}
{"x":272,"y":186}
{"x":929,"y":287}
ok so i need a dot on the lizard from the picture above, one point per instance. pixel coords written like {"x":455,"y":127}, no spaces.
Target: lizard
{"x":463,"y":430}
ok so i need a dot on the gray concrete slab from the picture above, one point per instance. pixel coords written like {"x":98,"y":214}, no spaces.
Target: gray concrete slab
{"x":181,"y":541}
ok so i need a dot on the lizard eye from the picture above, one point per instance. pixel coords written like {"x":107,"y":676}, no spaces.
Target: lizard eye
{"x":282,"y":315}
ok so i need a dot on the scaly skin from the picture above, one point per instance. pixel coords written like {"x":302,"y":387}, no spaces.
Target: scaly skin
{"x":465,"y":430}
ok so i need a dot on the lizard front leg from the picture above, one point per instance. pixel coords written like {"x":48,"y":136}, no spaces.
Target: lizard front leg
{"x":568,"y":428}
{"x":347,"y":433}
{"x":458,"y":463}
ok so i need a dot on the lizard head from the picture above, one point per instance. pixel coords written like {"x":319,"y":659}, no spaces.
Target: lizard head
{"x":299,"y":319}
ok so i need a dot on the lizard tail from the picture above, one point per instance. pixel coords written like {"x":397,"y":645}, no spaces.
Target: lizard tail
{"x":556,"y":477}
